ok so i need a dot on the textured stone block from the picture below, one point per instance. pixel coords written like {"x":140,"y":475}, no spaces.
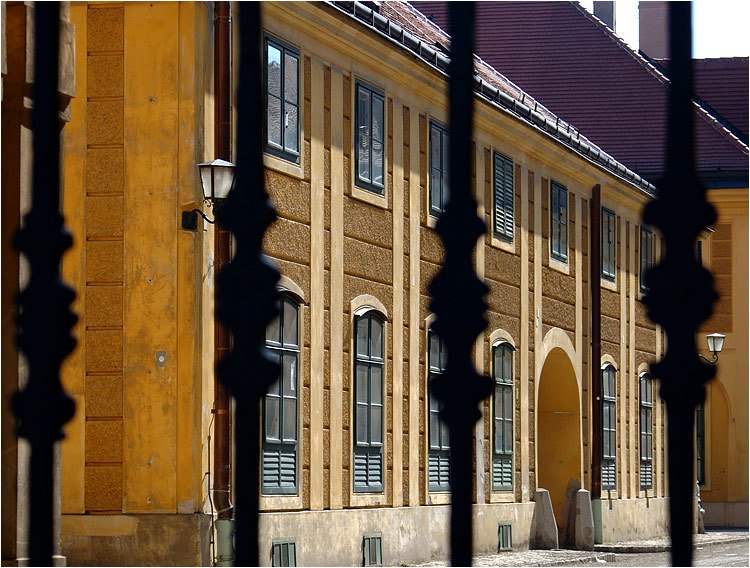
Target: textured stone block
{"x":105,"y":122}
{"x":103,"y":488}
{"x":721,"y":265}
{"x":431,"y":247}
{"x":558,"y":314}
{"x":103,"y":441}
{"x":105,"y":170}
{"x":104,"y":216}
{"x":721,"y":249}
{"x":105,"y":75}
{"x":289,"y":240}
{"x":105,"y":27}
{"x":104,"y":261}
{"x":290,"y":196}
{"x":368,"y":261}
{"x":368,"y":222}
{"x":104,"y":396}
{"x":104,"y":351}
{"x":104,"y":306}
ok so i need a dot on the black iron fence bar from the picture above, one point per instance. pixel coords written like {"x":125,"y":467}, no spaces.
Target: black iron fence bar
{"x":246,"y":288}
{"x":45,"y":319}
{"x":681,"y":292}
{"x":457,"y":293}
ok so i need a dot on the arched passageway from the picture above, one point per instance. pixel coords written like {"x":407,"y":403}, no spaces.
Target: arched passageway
{"x":558,"y":432}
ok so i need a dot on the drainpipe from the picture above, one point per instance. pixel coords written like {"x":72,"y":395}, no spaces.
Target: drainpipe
{"x":222,"y":404}
{"x":596,"y":356}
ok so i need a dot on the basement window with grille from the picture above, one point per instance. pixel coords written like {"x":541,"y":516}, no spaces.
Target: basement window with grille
{"x":283,"y":553}
{"x":504,"y":537}
{"x":372,"y":549}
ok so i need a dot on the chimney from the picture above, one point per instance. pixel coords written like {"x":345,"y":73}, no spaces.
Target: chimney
{"x":605,"y":11}
{"x":653,"y":18}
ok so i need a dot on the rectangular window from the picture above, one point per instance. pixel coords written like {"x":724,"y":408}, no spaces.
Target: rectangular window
{"x":439,"y":189}
{"x":609,"y":244}
{"x":504,"y":537}
{"x":609,"y":429}
{"x":504,"y":221}
{"x":279,"y":474}
{"x":558,"y":222}
{"x":281,"y":80}
{"x":439,"y":455}
{"x":372,"y":550}
{"x":647,"y":255}
{"x":647,"y":433}
{"x":368,"y":407}
{"x":369,"y":139}
{"x":283,"y":553}
{"x":502,"y":459}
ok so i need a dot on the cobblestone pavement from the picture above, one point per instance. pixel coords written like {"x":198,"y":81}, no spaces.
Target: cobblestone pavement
{"x":643,"y":553}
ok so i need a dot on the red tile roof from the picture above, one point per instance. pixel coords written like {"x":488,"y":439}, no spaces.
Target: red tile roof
{"x":723,"y":84}
{"x":399,"y":22}
{"x":585,"y":74}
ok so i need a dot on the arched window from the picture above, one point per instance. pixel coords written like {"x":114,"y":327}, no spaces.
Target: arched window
{"x":647,"y":432}
{"x":280,"y":405}
{"x":368,"y":402}
{"x":439,"y":455}
{"x":609,"y":428}
{"x":502,"y":402}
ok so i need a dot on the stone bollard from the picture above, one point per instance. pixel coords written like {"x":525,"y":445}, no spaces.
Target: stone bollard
{"x":545,"y":534}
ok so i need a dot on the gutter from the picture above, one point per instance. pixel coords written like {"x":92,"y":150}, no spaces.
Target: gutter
{"x":595,"y":257}
{"x":222,"y":142}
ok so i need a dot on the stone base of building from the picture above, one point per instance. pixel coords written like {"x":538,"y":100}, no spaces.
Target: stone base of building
{"x":634,"y":519}
{"x":726,"y":514}
{"x":410,"y":535}
{"x":136,"y":540}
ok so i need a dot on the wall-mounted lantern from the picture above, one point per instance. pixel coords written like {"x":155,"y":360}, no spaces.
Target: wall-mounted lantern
{"x":715,"y":345}
{"x":217,"y":179}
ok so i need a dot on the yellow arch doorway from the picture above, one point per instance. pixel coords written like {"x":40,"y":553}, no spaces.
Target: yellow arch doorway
{"x":558,"y":432}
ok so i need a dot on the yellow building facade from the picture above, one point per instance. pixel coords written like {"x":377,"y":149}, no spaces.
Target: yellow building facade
{"x":356,"y":247}
{"x":723,"y":419}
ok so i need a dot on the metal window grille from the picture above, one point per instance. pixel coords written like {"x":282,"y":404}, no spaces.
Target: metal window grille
{"x":609,"y":242}
{"x":558,"y":216}
{"x":439,"y":455}
{"x":504,"y":537}
{"x":280,"y":405}
{"x":368,"y":410}
{"x":502,"y":459}
{"x":281,"y":83}
{"x":504,"y":221}
{"x":609,"y":428}
{"x":283,"y":553}
{"x":372,"y":550}
{"x":648,"y":253}
{"x":647,"y":432}
{"x":370,"y":139}
{"x":439,"y":174}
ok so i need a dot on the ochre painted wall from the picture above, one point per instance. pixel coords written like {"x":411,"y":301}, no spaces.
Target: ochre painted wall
{"x":136,"y":133}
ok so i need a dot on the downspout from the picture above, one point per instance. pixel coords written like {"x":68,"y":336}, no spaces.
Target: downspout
{"x":222,"y":403}
{"x":596,"y":356}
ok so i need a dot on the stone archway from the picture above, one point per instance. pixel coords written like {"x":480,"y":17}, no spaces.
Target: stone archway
{"x":558,"y":433}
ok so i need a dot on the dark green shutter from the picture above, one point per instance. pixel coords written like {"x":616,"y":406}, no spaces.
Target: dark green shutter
{"x":503,"y":195}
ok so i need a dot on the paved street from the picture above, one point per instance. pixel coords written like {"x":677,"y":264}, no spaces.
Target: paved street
{"x":716,"y":548}
{"x":729,"y":554}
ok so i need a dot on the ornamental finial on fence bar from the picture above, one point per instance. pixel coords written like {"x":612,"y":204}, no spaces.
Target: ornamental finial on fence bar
{"x":457,"y":293}
{"x":681,"y":292}
{"x":246,"y":288}
{"x":45,"y":319}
